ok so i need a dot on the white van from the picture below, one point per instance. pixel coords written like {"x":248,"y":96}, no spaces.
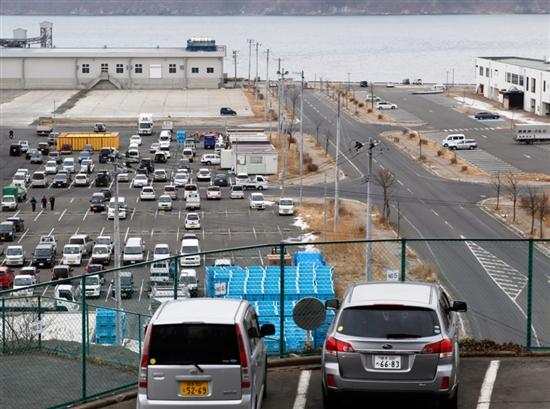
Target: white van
{"x":190,"y":246}
{"x":439,"y":88}
{"x":22,"y":281}
{"x":84,"y":241}
{"x":72,"y":255}
{"x":452,"y":138}
{"x":286,"y":206}
{"x":190,"y":144}
{"x":134,"y":252}
{"x":121,"y":208}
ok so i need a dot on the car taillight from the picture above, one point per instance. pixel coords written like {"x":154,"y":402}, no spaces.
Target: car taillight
{"x":145,"y":359}
{"x":444,"y":348}
{"x":245,"y":376}
{"x":332,"y":346}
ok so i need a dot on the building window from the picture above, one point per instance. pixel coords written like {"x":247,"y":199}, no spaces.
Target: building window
{"x":195,"y":70}
{"x":210,"y":70}
{"x":104,"y":67}
{"x":139,"y":69}
{"x":481,"y":71}
{"x":527,"y":84}
{"x":508,"y":77}
{"x":85,"y":68}
{"x":533,"y":85}
{"x":521,"y":80}
{"x":120,"y":68}
{"x":256,"y":160}
{"x":172,"y":68}
{"x":487,"y":72}
{"x":515,"y":79}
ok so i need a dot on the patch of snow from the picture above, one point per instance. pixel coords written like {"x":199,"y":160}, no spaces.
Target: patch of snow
{"x":300,"y":223}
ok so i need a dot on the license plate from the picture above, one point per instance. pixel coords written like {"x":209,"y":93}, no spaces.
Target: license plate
{"x":89,"y":295}
{"x":40,"y":264}
{"x":285,"y":211}
{"x":387,"y":362}
{"x":123,"y":294}
{"x":71,"y":262}
{"x":194,"y":388}
{"x":3,"y":238}
{"x":192,"y":227}
{"x":95,"y":208}
{"x":9,"y":263}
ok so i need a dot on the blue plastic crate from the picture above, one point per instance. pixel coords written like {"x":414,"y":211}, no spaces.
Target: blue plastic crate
{"x":109,"y":340}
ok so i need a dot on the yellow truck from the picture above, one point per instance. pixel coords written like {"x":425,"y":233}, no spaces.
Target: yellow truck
{"x":98,"y":140}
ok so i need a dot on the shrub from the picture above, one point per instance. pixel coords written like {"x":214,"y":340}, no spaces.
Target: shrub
{"x":412,"y":135}
{"x":440,"y":152}
{"x":380,"y":116}
{"x":361,"y":104}
{"x":464,"y":168}
{"x":454,"y":160}
{"x":396,"y":139}
{"x":312,"y":167}
{"x":405,"y":132}
{"x":369,"y":110}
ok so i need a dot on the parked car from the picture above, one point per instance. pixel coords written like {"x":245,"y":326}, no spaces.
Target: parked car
{"x":160,"y":175}
{"x":257,"y":201}
{"x":161,"y":250}
{"x":147,"y":193}
{"x":188,"y":189}
{"x":18,"y":222}
{"x":69,"y":165}
{"x":87,"y":166}
{"x":463,"y":144}
{"x":371,"y":97}
{"x":237,"y":192}
{"x":204,"y":174}
{"x":107,"y":193}
{"x":61,"y":272}
{"x":84,"y":155}
{"x":385,"y":105}
{"x":391,"y":84}
{"x":40,"y":179}
{"x":172,"y":191}
{"x":486,"y":115}
{"x":81,"y":179}
{"x":405,"y":81}
{"x":154,"y":147}
{"x":103,"y":178}
{"x":211,"y":159}
{"x":417,"y":81}
{"x":184,"y":164}
{"x":100,"y":127}
{"x":136,"y":139}
{"x":227,"y":111}
{"x":192,"y":221}
{"x":7,"y":277}
{"x":97,"y":202}
{"x":28,"y":154}
{"x":181,"y":179}
{"x":44,"y":147}
{"x":140,"y":180}
{"x":364,"y":84}
{"x":221,"y":179}
{"x":66,"y":149}
{"x":405,"y":320}
{"x":213,"y":192}
{"x":56,"y":156}
{"x":37,"y":158}
{"x":61,"y":180}
{"x":164,"y":203}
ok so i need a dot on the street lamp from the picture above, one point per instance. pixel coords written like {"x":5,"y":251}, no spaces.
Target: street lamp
{"x":281,"y":75}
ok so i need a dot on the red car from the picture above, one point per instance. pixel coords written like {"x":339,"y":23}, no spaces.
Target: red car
{"x":6,"y":277}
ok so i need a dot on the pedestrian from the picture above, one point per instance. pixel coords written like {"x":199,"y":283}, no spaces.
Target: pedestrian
{"x":52,"y":202}
{"x":33,"y":203}
{"x":44,"y":202}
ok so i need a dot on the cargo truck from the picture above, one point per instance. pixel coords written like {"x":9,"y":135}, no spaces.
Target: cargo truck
{"x":210,"y":140}
{"x":168,"y":126}
{"x":18,"y":191}
{"x":45,"y":126}
{"x":531,"y":133}
{"x":145,"y":124}
{"x":65,"y":298}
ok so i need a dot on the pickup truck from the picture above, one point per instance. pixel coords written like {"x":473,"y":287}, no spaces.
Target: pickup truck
{"x":254,"y":182}
{"x":100,"y":127}
{"x":45,"y":125}
{"x":65,"y":298}
{"x":49,"y":240}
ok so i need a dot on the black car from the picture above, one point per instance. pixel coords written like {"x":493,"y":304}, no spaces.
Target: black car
{"x":44,"y":148}
{"x":61,"y":180}
{"x":7,"y":231}
{"x":227,"y":111}
{"x":106,"y":155}
{"x":364,"y":84}
{"x":97,"y":202}
{"x":486,"y":115}
{"x":103,"y":178}
{"x":108,"y":193}
{"x":61,"y":271}
{"x":126,"y":285}
{"x":43,"y":256}
{"x":19,"y":223}
{"x":148,"y":164}
{"x":221,"y":180}
{"x":15,"y":149}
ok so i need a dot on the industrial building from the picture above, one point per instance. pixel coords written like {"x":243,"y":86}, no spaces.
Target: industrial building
{"x":28,"y":67}
{"x":518,"y":83}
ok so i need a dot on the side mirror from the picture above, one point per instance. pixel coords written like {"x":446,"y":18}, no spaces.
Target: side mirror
{"x":459,"y":306}
{"x":332,"y":304}
{"x":267,"y":329}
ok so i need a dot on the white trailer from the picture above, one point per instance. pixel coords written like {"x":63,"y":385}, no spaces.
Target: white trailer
{"x":531,"y":133}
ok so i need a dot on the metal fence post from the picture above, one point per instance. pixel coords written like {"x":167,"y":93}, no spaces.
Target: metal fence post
{"x":176,"y":278}
{"x":39,"y":318}
{"x":529,"y":291}
{"x":83,"y":295}
{"x":282,"y":299}
{"x":139,"y":333}
{"x":403,"y":259}
{"x":3,"y":326}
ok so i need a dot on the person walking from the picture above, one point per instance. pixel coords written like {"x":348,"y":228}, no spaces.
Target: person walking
{"x":52,"y":202}
{"x":33,"y":204}
{"x":44,"y":202}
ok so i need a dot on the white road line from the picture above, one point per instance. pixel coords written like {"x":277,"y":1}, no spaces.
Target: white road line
{"x":484,"y":136}
{"x":447,"y":223}
{"x":126,"y":234}
{"x":178,"y":234}
{"x":434,"y":212}
{"x":22,"y":236}
{"x":254,"y":230}
{"x":527,"y":156}
{"x":401,"y":183}
{"x":229,"y":233}
{"x":62,"y":214}
{"x":484,"y":400}
{"x":86,"y":214}
{"x":38,"y":215}
{"x":72,"y":198}
{"x":303,"y":384}
{"x":410,"y":190}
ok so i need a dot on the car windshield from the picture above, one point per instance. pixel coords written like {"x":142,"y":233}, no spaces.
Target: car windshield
{"x":84,"y":153}
{"x":14,"y":252}
{"x":189,"y":249}
{"x":188,"y":280}
{"x":100,"y":250}
{"x":93,"y":280}
{"x":61,"y":176}
{"x":38,"y":176}
{"x":169,"y":189}
{"x":20,"y":176}
{"x":388,"y":322}
{"x":126,"y":280}
{"x":8,"y":199}
{"x":22,"y":280}
{"x":192,"y":216}
{"x":162,"y":250}
{"x":165,"y":199}
{"x":42,"y":252}
{"x":285,"y":202}
{"x":6,"y":227}
{"x":190,"y":187}
{"x":71,"y":250}
{"x":132,"y":250}
{"x":103,"y":240}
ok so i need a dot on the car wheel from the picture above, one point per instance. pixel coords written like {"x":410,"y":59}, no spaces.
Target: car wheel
{"x":234,"y":113}
{"x":260,"y":188}
{"x":393,"y":107}
{"x":208,"y":163}
{"x":471,"y":147}
{"x":453,"y":148}
{"x":330,"y":402}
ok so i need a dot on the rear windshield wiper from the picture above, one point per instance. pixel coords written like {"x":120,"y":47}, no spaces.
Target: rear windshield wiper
{"x":403,"y":336}
{"x":187,"y":363}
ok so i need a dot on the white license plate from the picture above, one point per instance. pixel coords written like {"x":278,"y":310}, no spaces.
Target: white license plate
{"x":387,"y":362}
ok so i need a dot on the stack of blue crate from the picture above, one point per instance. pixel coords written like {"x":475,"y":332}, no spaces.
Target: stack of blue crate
{"x":105,"y":326}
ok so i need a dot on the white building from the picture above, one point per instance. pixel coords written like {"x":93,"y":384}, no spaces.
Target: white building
{"x":199,"y":65}
{"x":521,"y":83}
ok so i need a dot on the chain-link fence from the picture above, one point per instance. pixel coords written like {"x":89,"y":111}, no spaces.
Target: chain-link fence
{"x":75,"y":339}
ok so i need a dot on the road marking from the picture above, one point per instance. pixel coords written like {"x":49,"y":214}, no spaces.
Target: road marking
{"x":126,"y":235}
{"x":401,"y":183}
{"x":434,"y":212}
{"x":254,"y":230}
{"x":72,"y":198}
{"x":62,"y":214}
{"x":484,"y":136}
{"x":484,"y":400}
{"x":85,"y":214}
{"x":229,"y":233}
{"x":447,"y":223}
{"x":527,"y":156}
{"x":303,"y":383}
{"x":22,"y":236}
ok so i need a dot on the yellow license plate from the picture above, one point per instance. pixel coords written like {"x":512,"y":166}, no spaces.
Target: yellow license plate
{"x":3,"y":238}
{"x":123,"y":294}
{"x":95,"y":208}
{"x":9,"y":263}
{"x":194,"y":388}
{"x":192,"y":226}
{"x":71,"y":262}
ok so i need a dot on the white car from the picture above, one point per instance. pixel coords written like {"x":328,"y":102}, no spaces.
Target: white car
{"x":19,"y":179}
{"x":192,"y":221}
{"x":385,"y":105}
{"x":68,"y":165}
{"x":154,"y":147}
{"x":51,"y":167}
{"x":135,"y":139}
{"x":27,"y":174}
{"x":181,"y":179}
{"x":213,"y":192}
{"x":372,"y":97}
{"x":140,"y":180}
{"x":161,"y":250}
{"x":164,"y":203}
{"x":211,"y":159}
{"x":87,"y":166}
{"x":204,"y":174}
{"x":164,"y":143}
{"x":147,"y":193}
{"x":123,"y":176}
{"x":15,"y":256}
{"x":160,"y":175}
{"x":107,"y":241}
{"x":390,"y":85}
{"x":81,"y":180}
{"x":286,"y":206}
{"x":463,"y":144}
{"x":165,"y":136}
{"x":257,"y":201}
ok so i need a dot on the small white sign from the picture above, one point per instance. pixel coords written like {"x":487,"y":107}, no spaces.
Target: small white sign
{"x":392,"y":275}
{"x":220,"y":288}
{"x":36,"y":327}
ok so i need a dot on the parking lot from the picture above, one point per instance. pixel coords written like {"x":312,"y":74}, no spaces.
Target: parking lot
{"x":225,"y":223}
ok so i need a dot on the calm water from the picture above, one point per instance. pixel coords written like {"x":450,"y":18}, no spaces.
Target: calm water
{"x":375,"y":48}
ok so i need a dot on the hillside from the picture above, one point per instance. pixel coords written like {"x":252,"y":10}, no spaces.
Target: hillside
{"x":262,"y":7}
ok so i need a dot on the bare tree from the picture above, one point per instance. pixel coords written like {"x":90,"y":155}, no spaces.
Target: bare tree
{"x":496,"y":181}
{"x":294,"y":98}
{"x":543,"y":210}
{"x":386,"y":180}
{"x":328,"y":136}
{"x":530,"y":201}
{"x":318,"y":121}
{"x":513,"y":188}
{"x":291,"y":129}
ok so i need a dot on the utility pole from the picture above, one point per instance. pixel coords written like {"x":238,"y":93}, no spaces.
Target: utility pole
{"x":250,"y":42}
{"x":118,"y":291}
{"x":281,"y":74}
{"x":256,"y":77}
{"x":267,"y":89}
{"x":235,"y":59}
{"x":301,"y":137}
{"x":368,"y":261}
{"x":336,"y":178}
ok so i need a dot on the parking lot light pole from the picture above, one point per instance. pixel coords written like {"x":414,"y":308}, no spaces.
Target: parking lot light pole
{"x":118,"y":293}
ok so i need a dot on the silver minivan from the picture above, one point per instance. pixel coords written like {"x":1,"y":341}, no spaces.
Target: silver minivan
{"x":393,"y":339}
{"x":204,"y":353}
